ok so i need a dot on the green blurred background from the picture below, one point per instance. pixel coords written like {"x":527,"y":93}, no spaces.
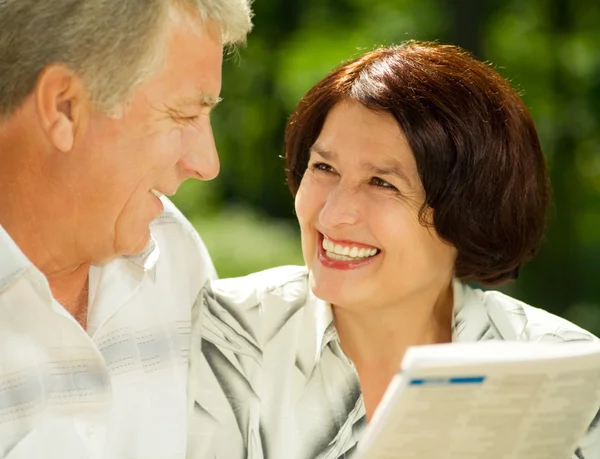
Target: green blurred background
{"x":549,"y":49}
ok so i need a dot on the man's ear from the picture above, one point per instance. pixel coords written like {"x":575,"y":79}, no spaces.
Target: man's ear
{"x":59,"y":95}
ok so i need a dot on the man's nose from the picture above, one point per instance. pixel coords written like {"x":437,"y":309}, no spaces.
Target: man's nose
{"x":201,"y":159}
{"x":342,"y":207}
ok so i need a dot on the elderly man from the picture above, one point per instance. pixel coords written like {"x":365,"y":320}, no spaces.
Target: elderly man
{"x":104,"y":107}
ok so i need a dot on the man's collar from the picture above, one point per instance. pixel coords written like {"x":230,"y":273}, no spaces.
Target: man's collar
{"x":112,"y":283}
{"x":13,"y":262}
{"x":147,"y":258}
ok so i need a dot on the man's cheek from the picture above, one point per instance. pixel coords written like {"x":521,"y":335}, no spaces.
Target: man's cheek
{"x":168,"y":147}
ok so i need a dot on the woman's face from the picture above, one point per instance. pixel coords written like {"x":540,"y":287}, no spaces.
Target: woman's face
{"x":358,"y":206}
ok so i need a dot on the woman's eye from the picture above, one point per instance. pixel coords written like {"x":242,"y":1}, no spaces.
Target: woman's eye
{"x":376,"y":181}
{"x":322,"y":167}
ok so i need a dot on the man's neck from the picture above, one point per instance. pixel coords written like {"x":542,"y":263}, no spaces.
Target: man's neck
{"x":68,"y":279}
{"x":44,"y":242}
{"x":71,"y":289}
{"x":37,"y":219}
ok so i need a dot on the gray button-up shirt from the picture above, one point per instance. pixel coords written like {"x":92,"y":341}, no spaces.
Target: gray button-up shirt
{"x":269,"y":379}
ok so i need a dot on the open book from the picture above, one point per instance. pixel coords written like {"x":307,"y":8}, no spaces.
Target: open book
{"x":487,"y":400}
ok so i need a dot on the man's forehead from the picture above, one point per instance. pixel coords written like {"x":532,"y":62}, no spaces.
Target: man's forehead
{"x":194,"y":64}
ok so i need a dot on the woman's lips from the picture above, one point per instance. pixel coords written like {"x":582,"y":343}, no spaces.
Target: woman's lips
{"x":345,"y":255}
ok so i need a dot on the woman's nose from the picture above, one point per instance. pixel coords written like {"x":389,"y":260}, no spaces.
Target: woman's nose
{"x":342,"y":207}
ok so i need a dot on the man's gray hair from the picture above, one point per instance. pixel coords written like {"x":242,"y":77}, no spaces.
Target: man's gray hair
{"x":113,"y":44}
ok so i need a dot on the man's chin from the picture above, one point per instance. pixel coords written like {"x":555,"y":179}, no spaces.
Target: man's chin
{"x":137,"y":246}
{"x":129,"y":247}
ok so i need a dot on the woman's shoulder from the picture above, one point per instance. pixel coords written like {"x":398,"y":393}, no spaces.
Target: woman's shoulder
{"x":257,"y":306}
{"x":287,"y":282}
{"x":514,"y":319}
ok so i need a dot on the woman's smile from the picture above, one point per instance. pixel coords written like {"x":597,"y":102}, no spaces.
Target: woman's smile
{"x":344,"y":254}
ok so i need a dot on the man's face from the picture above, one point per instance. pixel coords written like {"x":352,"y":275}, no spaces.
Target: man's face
{"x":163,"y":138}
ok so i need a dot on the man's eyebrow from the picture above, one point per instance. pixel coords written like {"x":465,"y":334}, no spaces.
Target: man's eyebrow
{"x":207,"y":100}
{"x":202,"y":100}
{"x":394,"y":168}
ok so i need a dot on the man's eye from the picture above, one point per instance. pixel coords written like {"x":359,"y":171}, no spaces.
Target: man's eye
{"x":179,"y":116}
{"x":188,"y":119}
{"x":376,"y":181}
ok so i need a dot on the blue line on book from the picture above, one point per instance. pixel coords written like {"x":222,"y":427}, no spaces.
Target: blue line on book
{"x":457,"y":380}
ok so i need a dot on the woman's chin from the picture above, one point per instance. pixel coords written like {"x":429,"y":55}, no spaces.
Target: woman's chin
{"x":332,"y":293}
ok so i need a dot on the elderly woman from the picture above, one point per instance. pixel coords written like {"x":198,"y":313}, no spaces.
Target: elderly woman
{"x":415,"y":169}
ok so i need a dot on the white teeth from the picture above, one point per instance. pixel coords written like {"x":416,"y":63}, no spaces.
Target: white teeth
{"x":328,"y":245}
{"x":156,"y":193}
{"x":335,"y":256}
{"x":345,"y":253}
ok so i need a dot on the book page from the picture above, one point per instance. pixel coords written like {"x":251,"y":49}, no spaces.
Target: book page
{"x":528,"y":408}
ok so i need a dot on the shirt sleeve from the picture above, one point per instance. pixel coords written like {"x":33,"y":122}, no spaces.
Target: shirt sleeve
{"x":589,"y":447}
{"x":209,"y":272}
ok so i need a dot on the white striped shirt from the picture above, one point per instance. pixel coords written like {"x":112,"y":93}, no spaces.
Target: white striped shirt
{"x":117,"y":390}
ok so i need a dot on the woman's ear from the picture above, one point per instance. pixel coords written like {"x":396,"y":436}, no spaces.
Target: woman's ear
{"x":59,"y":92}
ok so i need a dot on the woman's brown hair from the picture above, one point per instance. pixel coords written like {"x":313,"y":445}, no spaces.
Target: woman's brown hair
{"x":474,"y":141}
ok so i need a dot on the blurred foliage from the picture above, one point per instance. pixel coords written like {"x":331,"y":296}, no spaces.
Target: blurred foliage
{"x":547,"y":48}
{"x":242,"y":241}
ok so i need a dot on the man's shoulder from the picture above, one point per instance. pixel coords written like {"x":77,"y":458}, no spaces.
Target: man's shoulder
{"x":178,"y":241}
{"x":529,"y":322}
{"x":171,"y":217}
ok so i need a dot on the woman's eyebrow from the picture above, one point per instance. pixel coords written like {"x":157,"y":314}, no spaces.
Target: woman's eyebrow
{"x":325,"y":154}
{"x":393,"y":168}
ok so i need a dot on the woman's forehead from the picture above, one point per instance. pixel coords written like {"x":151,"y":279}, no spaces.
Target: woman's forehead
{"x":354,"y":132}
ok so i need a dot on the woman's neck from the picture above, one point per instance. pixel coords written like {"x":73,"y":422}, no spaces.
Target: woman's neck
{"x":376,"y":337}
